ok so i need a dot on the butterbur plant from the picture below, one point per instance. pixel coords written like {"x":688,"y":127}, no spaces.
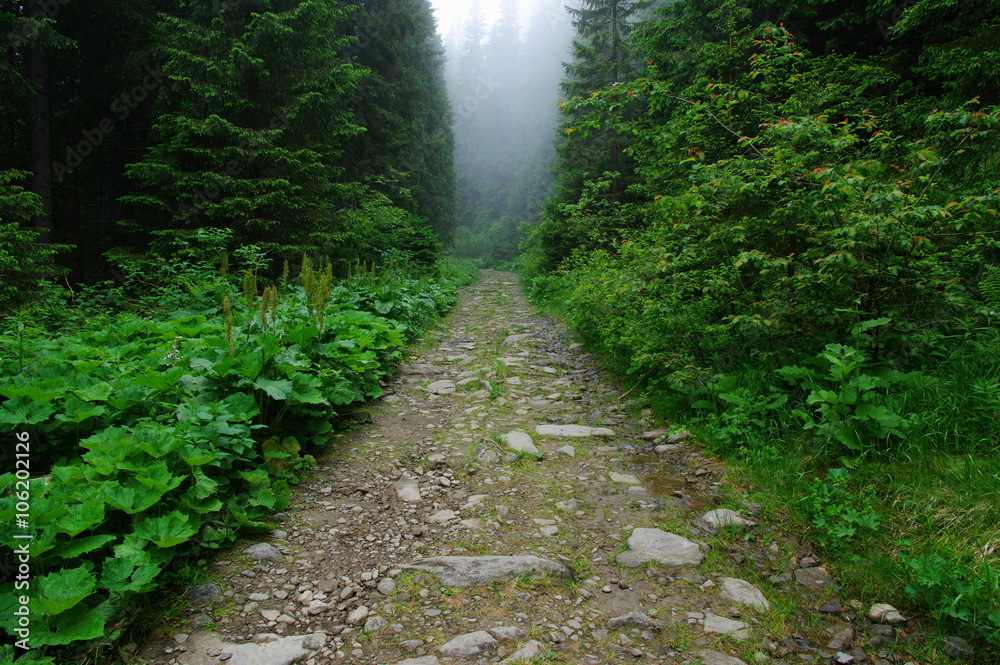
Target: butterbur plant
{"x":836,"y":514}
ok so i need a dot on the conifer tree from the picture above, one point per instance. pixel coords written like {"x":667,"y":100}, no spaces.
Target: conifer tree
{"x":253,"y":120}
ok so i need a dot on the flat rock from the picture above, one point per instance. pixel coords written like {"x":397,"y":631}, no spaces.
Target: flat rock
{"x":814,"y":578}
{"x":569,"y":451}
{"x":667,"y":548}
{"x":654,"y":434}
{"x":724,"y":626}
{"x":623,"y":478}
{"x":469,"y":644}
{"x":203,"y":649}
{"x":636,"y":620}
{"x":463,"y":571}
{"x":741,"y":591}
{"x":721,"y":518}
{"x":423,"y":660}
{"x":442,"y":516}
{"x":716,"y":658}
{"x":570,"y":506}
{"x":441,"y":387}
{"x":263,"y":552}
{"x":532,"y":649}
{"x":408,"y":491}
{"x":667,"y":448}
{"x":514,"y":339}
{"x":572,"y":430}
{"x":521,"y":442}
{"x":507,"y":633}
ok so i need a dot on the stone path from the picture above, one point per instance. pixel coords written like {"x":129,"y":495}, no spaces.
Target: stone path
{"x":506,"y":504}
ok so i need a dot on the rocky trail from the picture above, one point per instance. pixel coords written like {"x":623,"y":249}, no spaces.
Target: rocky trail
{"x":506,"y":504}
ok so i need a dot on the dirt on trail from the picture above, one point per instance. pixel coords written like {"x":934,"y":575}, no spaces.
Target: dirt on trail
{"x":605,"y":546}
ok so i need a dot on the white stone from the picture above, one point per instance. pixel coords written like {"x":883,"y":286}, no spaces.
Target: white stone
{"x":724,"y":626}
{"x":716,"y":658}
{"x":469,"y":644}
{"x":723,"y":517}
{"x":533,"y":649}
{"x":626,"y":478}
{"x":357,"y":616}
{"x":408,"y":491}
{"x":885,"y":613}
{"x":657,"y":545}
{"x":741,"y":591}
{"x":569,"y":451}
{"x":570,"y":506}
{"x":441,"y":387}
{"x":442,"y":516}
{"x":521,"y":442}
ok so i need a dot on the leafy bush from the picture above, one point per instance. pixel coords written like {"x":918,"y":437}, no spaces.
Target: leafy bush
{"x":164,"y":438}
{"x":835,"y":514}
{"x":955,"y":593}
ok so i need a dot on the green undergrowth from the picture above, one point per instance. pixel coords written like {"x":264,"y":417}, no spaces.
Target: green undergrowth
{"x":151,"y":438}
{"x":888,"y":466}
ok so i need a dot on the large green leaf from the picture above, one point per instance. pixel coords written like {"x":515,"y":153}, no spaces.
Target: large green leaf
{"x":77,"y":624}
{"x":123,"y":575}
{"x":276,"y":388}
{"x":158,"y":477}
{"x":61,"y":590}
{"x":79,"y":546}
{"x":166,"y":531}
{"x":82,"y":516}
{"x":25,"y":411}
{"x":76,"y":411}
{"x":132,"y":498}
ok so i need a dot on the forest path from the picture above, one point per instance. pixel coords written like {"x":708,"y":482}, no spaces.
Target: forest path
{"x":431,"y":476}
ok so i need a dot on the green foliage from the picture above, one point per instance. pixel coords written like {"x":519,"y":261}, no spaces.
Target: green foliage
{"x":23,"y":261}
{"x":836,"y":514}
{"x":954,"y":592}
{"x":852,"y":399}
{"x":166,"y":437}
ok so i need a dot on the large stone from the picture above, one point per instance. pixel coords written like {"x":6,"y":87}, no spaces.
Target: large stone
{"x":278,"y":651}
{"x":884,"y":613}
{"x":463,"y":571}
{"x":724,"y":626}
{"x":263,"y":552}
{"x":814,"y":578}
{"x":206,"y":594}
{"x":507,"y":633}
{"x":408,"y":491}
{"x":521,"y":442}
{"x":714,"y":520}
{"x":442,"y":516}
{"x":469,"y":644}
{"x":636,"y":620}
{"x":623,"y":478}
{"x":423,"y":660}
{"x":441,"y":387}
{"x":741,"y":591}
{"x":667,"y":548}
{"x":716,"y":658}
{"x":570,"y":506}
{"x":533,"y":649}
{"x":572,"y":430}
{"x":514,"y":339}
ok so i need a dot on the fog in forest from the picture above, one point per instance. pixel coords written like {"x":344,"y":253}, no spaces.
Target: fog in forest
{"x":503,"y":81}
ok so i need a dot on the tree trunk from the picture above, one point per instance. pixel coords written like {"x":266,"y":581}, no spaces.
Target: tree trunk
{"x":41,"y":169}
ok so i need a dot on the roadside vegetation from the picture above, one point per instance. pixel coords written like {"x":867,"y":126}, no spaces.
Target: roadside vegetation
{"x":170,"y":426}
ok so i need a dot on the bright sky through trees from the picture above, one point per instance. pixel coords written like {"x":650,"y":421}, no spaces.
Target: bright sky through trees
{"x":450,"y":12}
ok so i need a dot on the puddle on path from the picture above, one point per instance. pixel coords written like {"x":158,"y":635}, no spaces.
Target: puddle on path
{"x":662,"y":479}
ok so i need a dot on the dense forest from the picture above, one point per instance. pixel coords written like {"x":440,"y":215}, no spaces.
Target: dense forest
{"x":778,"y":223}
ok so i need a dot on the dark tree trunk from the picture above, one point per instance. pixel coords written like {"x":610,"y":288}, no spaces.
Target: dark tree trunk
{"x":40,"y":165}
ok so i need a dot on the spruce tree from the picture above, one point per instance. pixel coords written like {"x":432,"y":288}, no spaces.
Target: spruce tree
{"x":254,"y":116}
